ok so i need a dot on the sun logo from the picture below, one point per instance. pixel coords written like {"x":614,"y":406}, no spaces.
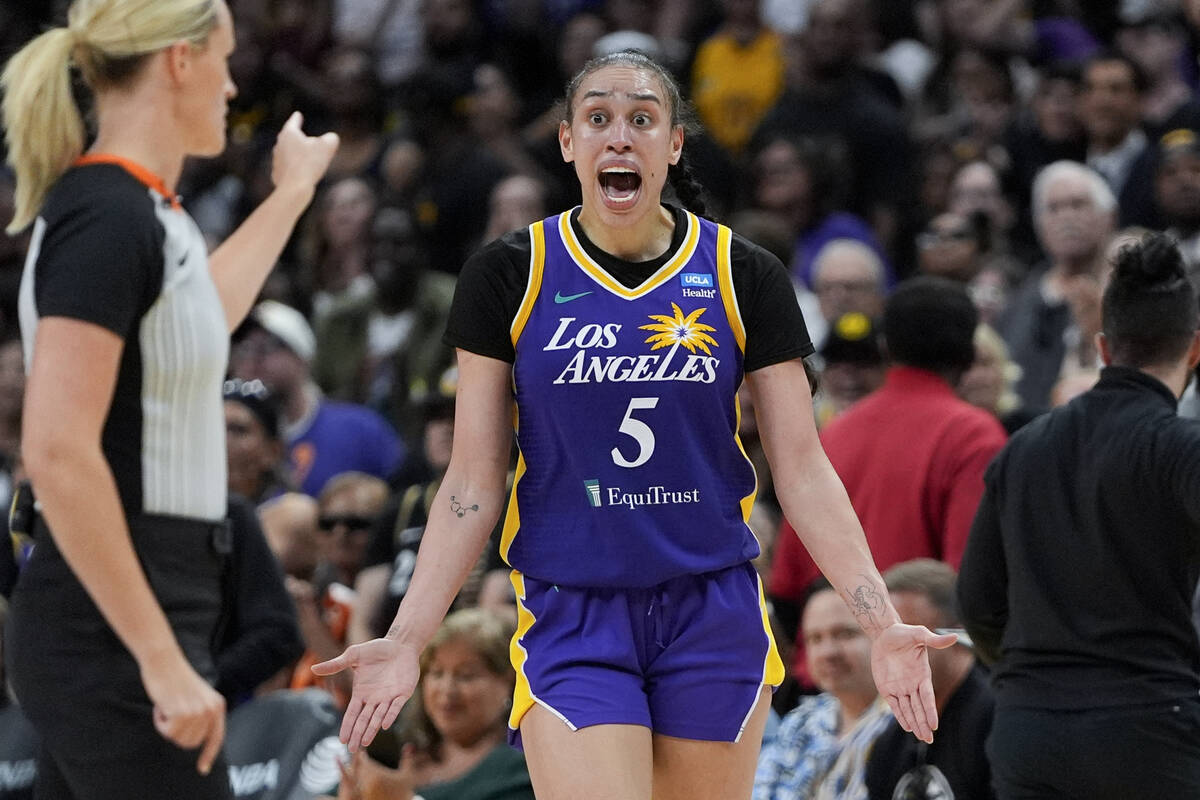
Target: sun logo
{"x":680,"y":330}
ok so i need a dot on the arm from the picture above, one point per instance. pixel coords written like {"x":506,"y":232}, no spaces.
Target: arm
{"x":385,"y":670}
{"x":66,"y":401}
{"x":816,"y":503}
{"x":982,"y":585}
{"x":241,"y":264}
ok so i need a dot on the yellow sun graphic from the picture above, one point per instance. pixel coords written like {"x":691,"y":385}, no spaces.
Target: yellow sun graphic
{"x":687,"y":331}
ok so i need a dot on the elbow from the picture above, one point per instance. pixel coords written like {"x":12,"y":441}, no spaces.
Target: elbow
{"x":45,"y":453}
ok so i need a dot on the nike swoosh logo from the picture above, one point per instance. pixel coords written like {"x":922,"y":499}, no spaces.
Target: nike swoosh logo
{"x":559,"y":297}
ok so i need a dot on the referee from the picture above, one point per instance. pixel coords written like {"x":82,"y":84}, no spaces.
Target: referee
{"x":125,"y":322}
{"x":1079,"y":571}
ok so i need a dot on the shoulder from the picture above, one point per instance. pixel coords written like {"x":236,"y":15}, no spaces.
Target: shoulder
{"x":104,"y":193}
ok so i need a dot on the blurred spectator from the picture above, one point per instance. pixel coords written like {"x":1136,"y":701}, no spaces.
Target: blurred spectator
{"x":1048,"y":131}
{"x":847,"y":277}
{"x":737,"y":75}
{"x":912,"y":454}
{"x":348,"y":507}
{"x":802,"y":182}
{"x":1110,"y":107}
{"x":455,"y":724}
{"x":323,"y":437}
{"x":829,"y":94}
{"x":1153,"y":36}
{"x":259,"y":635}
{"x":493,"y":117}
{"x":12,"y":399}
{"x":1177,"y":193}
{"x":853,"y":366}
{"x":334,"y":271}
{"x":1052,"y":316}
{"x":955,"y":765}
{"x":517,"y":201}
{"x":384,"y":349}
{"x":952,"y":246}
{"x":977,"y":188}
{"x":391,"y":29}
{"x":391,"y":552}
{"x":991,"y":381}
{"x":290,"y":524}
{"x":970,"y":104}
{"x":12,"y":253}
{"x":822,"y":746}
{"x":253,"y":449}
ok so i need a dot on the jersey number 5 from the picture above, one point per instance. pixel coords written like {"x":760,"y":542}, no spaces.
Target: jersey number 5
{"x":639,"y":431}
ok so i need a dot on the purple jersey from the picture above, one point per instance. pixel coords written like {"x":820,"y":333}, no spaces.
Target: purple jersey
{"x":631,"y":472}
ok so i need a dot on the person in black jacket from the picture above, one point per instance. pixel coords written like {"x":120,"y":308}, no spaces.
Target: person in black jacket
{"x":1078,"y":575}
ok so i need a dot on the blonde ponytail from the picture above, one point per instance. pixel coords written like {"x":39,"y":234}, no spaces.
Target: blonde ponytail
{"x":44,"y":127}
{"x":107,"y":40}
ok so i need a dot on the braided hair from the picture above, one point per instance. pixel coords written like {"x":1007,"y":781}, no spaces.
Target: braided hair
{"x":689,"y":191}
{"x":1149,"y":310}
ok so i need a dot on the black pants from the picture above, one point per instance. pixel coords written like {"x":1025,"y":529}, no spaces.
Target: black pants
{"x":80,"y":686}
{"x":1144,"y":752}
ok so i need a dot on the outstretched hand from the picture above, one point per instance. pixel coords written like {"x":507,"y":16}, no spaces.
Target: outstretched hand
{"x":385,"y":676}
{"x":900,"y":665}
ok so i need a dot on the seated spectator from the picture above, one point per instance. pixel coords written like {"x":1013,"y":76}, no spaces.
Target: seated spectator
{"x":823,"y":744}
{"x":454,"y":726}
{"x":259,"y":635}
{"x":802,"y":182}
{"x":955,"y":765}
{"x":952,"y":246}
{"x":854,"y":366}
{"x":290,"y":524}
{"x":848,"y":277}
{"x":19,"y":742}
{"x":276,"y":345}
{"x":349,"y":506}
{"x":253,"y":449}
{"x":1177,"y":194}
{"x":991,"y":381}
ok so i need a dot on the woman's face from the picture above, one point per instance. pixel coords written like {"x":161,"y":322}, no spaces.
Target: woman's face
{"x":204,"y":102}
{"x":463,"y":698}
{"x":250,"y":451}
{"x":621,"y":140}
{"x":348,"y":209}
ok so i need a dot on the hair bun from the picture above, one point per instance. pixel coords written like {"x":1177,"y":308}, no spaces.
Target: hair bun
{"x":1154,"y":263}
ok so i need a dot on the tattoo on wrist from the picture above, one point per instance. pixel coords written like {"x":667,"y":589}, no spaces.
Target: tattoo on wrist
{"x":460,"y":509}
{"x":867,"y":604}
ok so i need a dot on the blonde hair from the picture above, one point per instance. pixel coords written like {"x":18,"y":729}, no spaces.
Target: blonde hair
{"x":107,"y":40}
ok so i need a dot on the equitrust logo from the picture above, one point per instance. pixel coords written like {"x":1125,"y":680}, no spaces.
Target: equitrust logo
{"x":593,"y":492}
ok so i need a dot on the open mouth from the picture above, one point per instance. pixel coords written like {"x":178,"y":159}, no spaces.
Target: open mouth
{"x":620,"y":185}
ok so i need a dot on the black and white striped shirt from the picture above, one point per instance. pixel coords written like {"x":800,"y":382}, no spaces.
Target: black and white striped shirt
{"x":111,"y":248}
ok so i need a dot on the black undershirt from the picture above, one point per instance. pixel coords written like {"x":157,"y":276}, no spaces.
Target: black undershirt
{"x":493,"y":280}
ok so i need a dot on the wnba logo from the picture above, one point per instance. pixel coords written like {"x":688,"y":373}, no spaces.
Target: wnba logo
{"x":593,"y":492}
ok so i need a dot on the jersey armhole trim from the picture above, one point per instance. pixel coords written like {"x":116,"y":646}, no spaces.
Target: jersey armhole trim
{"x":537,"y":260}
{"x":733,"y":311}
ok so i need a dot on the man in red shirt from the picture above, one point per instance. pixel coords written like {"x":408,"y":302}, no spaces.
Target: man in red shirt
{"x":911,"y":454}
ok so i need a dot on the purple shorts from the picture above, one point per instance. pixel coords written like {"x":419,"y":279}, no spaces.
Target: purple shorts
{"x":687,"y":658}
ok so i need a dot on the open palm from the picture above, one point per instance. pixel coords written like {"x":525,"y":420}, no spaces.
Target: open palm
{"x":385,"y":676}
{"x":900,"y":666}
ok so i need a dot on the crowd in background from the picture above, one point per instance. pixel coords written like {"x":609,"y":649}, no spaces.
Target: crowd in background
{"x":1008,"y":146}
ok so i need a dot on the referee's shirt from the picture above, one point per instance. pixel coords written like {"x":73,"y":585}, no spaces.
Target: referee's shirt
{"x":112,"y":248}
{"x":1081,"y":564}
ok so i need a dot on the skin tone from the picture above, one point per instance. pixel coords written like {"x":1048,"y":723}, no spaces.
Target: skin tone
{"x":950,"y":666}
{"x":838,"y":655}
{"x":250,"y":452}
{"x":1110,"y":105}
{"x":174,"y":107}
{"x":621,"y":118}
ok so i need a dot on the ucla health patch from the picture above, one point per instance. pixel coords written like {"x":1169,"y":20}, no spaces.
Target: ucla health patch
{"x":696,"y":280}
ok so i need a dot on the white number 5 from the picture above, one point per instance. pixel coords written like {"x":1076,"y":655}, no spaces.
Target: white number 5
{"x":640,"y":432}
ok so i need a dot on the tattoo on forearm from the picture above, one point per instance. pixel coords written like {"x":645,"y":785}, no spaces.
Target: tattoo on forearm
{"x":867,"y":604}
{"x":460,"y":509}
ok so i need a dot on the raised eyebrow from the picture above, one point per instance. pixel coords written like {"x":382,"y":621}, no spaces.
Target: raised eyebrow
{"x":648,"y":97}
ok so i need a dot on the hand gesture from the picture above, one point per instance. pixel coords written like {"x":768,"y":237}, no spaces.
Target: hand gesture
{"x":300,"y":160}
{"x":187,"y":711}
{"x":365,"y":779}
{"x":900,"y":665}
{"x":385,"y":676}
